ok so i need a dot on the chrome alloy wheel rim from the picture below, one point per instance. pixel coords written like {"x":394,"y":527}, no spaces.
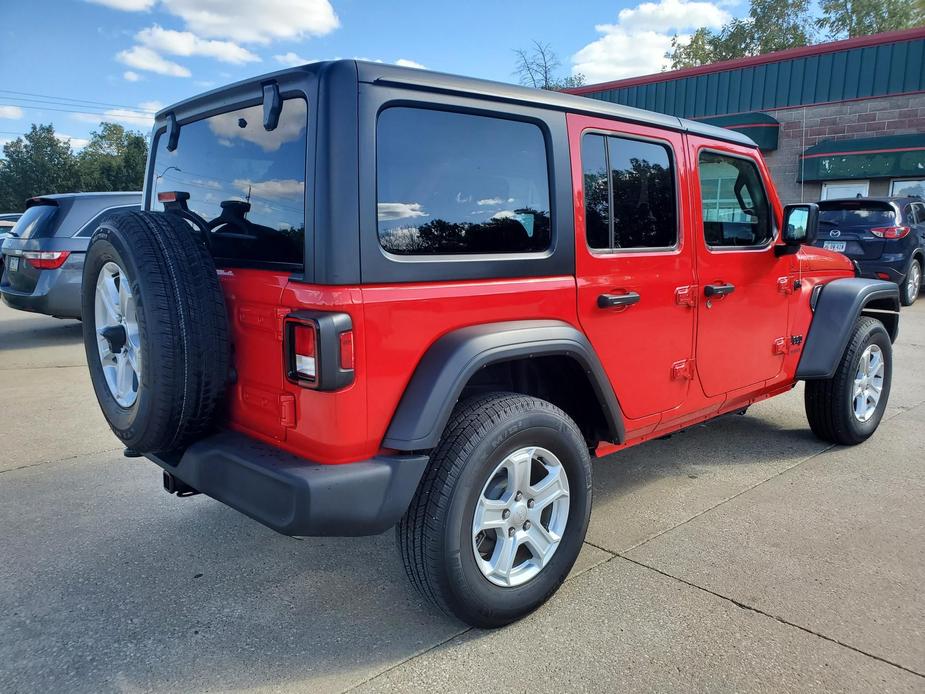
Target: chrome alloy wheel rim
{"x":914,"y":282}
{"x":520,"y":516}
{"x":117,"y":340}
{"x":868,"y":383}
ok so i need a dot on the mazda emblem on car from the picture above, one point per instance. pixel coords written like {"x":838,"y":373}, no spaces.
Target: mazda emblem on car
{"x":835,"y":233}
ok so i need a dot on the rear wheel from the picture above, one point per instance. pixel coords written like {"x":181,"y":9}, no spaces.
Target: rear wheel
{"x":500,"y":516}
{"x":848,"y":407}
{"x":912,"y":284}
{"x":155,"y":330}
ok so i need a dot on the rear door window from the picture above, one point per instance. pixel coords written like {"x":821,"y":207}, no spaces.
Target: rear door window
{"x":87,"y":229}
{"x":247,"y":183}
{"x":455,"y":183}
{"x":629,"y":189}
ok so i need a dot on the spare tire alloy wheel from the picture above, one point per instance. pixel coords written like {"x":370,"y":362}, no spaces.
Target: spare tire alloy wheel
{"x":157,"y":345}
{"x":518,"y":526}
{"x":118,"y":341}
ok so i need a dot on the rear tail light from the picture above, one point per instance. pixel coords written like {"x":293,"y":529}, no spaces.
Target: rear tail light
{"x":883,"y":276}
{"x":896,"y":232}
{"x":318,"y":349}
{"x":46,"y":260}
{"x":306,"y":358}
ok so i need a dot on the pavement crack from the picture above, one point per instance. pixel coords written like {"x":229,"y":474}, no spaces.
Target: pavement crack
{"x":58,"y":460}
{"x":409,"y":658}
{"x":776,"y":618}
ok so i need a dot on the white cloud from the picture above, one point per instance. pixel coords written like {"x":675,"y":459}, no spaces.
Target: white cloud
{"x":143,"y":58}
{"x":493,"y":201}
{"x":275,"y":189}
{"x":11,"y":112}
{"x":127,"y":5}
{"x":255,"y":22}
{"x":291,"y":123}
{"x":185,"y":43}
{"x":636,"y":44}
{"x":388,"y":211}
{"x":75,"y":142}
{"x":292,"y":59}
{"x":143,"y":117}
{"x":131,"y":76}
{"x":404,"y":62}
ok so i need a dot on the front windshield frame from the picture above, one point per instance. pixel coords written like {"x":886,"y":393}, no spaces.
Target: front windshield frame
{"x":296,"y":84}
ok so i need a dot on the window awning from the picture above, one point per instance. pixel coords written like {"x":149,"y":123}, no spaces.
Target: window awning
{"x":888,"y":156}
{"x":761,"y":127}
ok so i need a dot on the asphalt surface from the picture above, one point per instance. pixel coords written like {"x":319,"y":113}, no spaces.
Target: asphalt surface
{"x":741,"y":555}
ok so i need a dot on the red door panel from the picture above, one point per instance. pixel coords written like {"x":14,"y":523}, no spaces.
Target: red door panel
{"x":645,"y":346}
{"x":738,"y":333}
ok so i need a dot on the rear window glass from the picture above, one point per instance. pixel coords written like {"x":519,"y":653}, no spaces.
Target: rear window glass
{"x":855,"y":215}
{"x":36,"y":222}
{"x":455,"y":183}
{"x":247,"y":183}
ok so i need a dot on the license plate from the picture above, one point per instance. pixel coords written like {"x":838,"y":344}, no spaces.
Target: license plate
{"x":14,"y":263}
{"x":835,"y":246}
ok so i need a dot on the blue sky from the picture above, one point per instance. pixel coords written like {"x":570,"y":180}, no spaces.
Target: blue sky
{"x":76,"y":62}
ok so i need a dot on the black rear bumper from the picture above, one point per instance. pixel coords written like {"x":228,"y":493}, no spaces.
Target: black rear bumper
{"x":295,"y":496}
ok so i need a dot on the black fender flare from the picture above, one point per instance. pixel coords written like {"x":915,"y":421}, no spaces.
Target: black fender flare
{"x":449,"y":363}
{"x":835,"y":311}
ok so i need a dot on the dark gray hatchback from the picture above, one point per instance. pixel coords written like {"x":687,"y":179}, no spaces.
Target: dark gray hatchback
{"x":44,"y":254}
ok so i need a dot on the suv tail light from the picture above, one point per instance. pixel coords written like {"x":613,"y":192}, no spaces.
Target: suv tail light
{"x":46,"y":260}
{"x":306,"y":362}
{"x":318,"y":349}
{"x":896,"y":232}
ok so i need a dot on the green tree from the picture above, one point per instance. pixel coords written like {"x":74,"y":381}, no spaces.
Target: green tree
{"x":771,"y":25}
{"x":37,"y":163}
{"x":114,"y":159}
{"x":849,"y":18}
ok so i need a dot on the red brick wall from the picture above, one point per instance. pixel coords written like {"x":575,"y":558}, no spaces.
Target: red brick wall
{"x":805,"y":126}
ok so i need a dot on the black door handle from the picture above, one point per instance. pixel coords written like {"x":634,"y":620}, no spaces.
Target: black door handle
{"x":718,"y":289}
{"x":614,"y":300}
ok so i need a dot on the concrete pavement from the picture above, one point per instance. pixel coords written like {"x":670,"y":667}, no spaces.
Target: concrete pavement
{"x":741,"y":555}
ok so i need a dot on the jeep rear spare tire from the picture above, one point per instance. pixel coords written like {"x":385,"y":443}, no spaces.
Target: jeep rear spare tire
{"x":155,"y":330}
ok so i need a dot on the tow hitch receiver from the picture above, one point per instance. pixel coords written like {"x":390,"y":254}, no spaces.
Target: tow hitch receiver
{"x":172,"y":485}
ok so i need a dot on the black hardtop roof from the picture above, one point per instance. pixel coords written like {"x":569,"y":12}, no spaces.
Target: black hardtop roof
{"x":427,"y":80}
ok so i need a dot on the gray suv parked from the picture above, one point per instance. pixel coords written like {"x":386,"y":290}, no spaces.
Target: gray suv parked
{"x":44,"y":254}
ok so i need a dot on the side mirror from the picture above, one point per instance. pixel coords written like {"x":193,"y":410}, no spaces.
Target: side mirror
{"x":800,"y":224}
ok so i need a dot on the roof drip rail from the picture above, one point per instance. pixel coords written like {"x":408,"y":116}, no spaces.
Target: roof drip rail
{"x":272,"y":105}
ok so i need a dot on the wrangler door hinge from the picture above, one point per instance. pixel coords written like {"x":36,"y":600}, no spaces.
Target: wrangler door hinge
{"x":782,"y":345}
{"x":685,"y":296}
{"x":784,"y":285}
{"x":682,"y":370}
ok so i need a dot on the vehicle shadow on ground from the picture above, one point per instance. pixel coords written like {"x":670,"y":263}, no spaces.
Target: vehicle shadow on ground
{"x":29,"y":333}
{"x":153,"y":592}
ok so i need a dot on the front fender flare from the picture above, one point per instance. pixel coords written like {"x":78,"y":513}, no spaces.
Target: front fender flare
{"x":449,"y":363}
{"x":837,"y":308}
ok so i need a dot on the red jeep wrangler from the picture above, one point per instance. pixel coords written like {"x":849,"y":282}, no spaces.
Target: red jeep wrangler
{"x":361,"y":295}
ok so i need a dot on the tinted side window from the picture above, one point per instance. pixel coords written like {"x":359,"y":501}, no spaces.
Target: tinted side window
{"x":596,"y":191}
{"x":247,"y":183}
{"x":453,"y":183}
{"x":735,"y":208}
{"x":919,"y":210}
{"x":635,"y":205}
{"x":644,"y":203}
